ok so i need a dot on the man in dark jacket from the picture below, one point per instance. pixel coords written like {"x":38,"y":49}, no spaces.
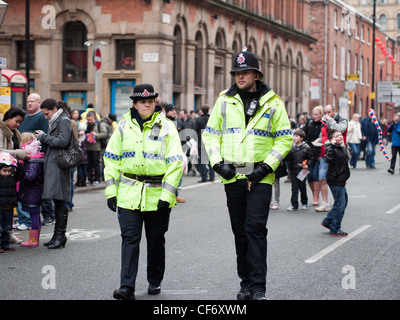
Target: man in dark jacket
{"x":203,"y":164}
{"x":370,"y":137}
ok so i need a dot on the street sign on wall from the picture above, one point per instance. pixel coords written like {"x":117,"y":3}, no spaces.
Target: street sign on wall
{"x":388,"y":91}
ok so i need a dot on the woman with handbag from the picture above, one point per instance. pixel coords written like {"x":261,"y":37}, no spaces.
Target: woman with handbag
{"x":57,"y":181}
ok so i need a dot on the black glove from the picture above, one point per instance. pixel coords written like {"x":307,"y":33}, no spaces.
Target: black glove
{"x":162,"y":205}
{"x":260,"y":171}
{"x":112,"y":203}
{"x":226,"y":170}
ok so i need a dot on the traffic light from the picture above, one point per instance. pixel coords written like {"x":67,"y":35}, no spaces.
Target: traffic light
{"x":350,"y":102}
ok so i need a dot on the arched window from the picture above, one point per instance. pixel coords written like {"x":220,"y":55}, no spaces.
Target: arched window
{"x":75,"y":59}
{"x":198,"y":60}
{"x":177,"y":56}
{"x":383,"y":21}
{"x":398,"y":22}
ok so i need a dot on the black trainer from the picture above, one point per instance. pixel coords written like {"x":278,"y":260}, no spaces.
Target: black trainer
{"x":257,"y":295}
{"x":338,"y":233}
{"x":243,"y":294}
{"x":124,"y":293}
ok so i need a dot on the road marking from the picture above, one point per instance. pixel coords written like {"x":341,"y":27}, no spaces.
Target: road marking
{"x":197,"y":185}
{"x":394,"y":209}
{"x":337,"y":244}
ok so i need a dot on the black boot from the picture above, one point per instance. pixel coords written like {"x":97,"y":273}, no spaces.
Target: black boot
{"x":60,"y":229}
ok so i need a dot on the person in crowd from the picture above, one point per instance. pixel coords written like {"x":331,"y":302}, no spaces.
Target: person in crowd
{"x":354,"y":137}
{"x":313,"y":132}
{"x":94,"y":133}
{"x":81,"y":170}
{"x":35,"y":120}
{"x":300,"y":157}
{"x":301,"y":123}
{"x":330,"y":120}
{"x":171,"y":114}
{"x":247,"y":136}
{"x":143,"y":167}
{"x":11,"y":171}
{"x":279,"y":173}
{"x":57,"y":181}
{"x":338,"y":173}
{"x":187,"y":121}
{"x":31,"y":186}
{"x":371,"y":138}
{"x":203,"y":165}
{"x":394,"y":130}
{"x":10,"y":142}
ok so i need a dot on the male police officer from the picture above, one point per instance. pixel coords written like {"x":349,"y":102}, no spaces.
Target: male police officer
{"x":143,"y":167}
{"x":247,"y":136}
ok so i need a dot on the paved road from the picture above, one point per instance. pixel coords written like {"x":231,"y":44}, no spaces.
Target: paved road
{"x":304,"y":262}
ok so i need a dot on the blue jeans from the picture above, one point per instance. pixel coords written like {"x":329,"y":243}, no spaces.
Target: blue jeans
{"x":335,"y":215}
{"x":355,"y":152}
{"x":370,"y":153}
{"x":23,"y":216}
{"x":313,"y":176}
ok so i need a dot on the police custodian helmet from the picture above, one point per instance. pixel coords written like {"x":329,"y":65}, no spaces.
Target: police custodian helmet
{"x":246,"y":60}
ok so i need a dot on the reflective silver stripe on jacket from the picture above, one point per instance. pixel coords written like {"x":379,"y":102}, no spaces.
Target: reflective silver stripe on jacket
{"x":121,"y":127}
{"x":168,"y":187}
{"x":127,"y":181}
{"x":276,"y":154}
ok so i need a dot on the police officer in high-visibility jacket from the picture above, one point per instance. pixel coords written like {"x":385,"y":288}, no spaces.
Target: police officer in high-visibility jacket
{"x":247,"y":136}
{"x":143,"y":166}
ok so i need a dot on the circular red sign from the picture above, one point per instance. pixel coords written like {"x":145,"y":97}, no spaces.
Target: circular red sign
{"x":97,"y":59}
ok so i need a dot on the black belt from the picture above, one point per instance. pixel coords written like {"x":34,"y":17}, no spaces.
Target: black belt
{"x":141,"y":178}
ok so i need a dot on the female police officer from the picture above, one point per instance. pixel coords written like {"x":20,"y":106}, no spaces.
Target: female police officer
{"x":143,"y":167}
{"x":246,"y":137}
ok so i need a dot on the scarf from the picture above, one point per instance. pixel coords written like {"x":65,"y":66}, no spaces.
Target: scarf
{"x":55,"y":117}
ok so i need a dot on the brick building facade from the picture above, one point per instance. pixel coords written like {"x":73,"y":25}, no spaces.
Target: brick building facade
{"x":184,"y":48}
{"x":345,"y":47}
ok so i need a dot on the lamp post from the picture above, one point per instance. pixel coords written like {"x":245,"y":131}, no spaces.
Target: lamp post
{"x":3,"y":10}
{"x":373,"y":53}
{"x":95,"y":43}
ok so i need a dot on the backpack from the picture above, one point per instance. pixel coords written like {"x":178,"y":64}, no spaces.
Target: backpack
{"x":104,"y":142}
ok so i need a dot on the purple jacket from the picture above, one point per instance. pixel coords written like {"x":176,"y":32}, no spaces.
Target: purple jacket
{"x":31,"y":187}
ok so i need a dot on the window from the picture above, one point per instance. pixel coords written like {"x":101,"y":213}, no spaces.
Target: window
{"x":398,"y":21}
{"x":21,"y":54}
{"x":334,"y":61}
{"x":342,"y":63}
{"x":125,"y":58}
{"x":75,"y":52}
{"x":383,"y":21}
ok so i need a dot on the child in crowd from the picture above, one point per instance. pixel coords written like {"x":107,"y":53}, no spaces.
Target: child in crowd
{"x":338,"y":173}
{"x":280,"y":172}
{"x":11,"y":172}
{"x":30,"y":188}
{"x":300,"y":157}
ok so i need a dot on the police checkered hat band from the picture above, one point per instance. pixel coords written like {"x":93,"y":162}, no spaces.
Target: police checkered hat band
{"x":143,"y":91}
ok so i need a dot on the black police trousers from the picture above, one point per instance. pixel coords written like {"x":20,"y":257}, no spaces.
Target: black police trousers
{"x":248,"y":211}
{"x":156,"y":225}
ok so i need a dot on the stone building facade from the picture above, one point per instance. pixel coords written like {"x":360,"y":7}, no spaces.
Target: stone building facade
{"x":387,"y":14}
{"x":184,"y":48}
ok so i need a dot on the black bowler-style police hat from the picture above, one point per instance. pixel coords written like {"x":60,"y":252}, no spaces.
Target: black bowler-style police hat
{"x":246,"y":60}
{"x":143,"y":91}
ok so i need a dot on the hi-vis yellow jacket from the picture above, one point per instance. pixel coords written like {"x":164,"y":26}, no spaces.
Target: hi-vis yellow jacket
{"x":156,"y":151}
{"x":266,"y":138}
